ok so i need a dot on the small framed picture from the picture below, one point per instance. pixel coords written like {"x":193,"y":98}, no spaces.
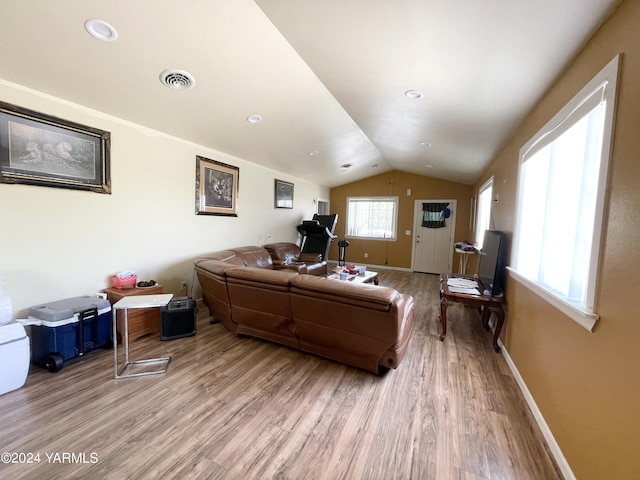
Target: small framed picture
{"x":216,"y":188}
{"x":38,"y":149}
{"x":283,"y":194}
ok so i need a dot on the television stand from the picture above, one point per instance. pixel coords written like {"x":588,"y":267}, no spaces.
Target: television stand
{"x":485,"y":303}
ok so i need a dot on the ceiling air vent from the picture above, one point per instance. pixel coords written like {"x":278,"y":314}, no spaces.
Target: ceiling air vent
{"x":177,"y":79}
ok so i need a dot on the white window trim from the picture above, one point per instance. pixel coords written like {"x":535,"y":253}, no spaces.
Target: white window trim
{"x":587,"y":318}
{"x":395,"y":199}
{"x":486,"y":185}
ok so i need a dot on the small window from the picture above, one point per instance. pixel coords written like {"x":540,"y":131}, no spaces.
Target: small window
{"x":562,"y":180}
{"x":372,"y":217}
{"x":483,"y":219}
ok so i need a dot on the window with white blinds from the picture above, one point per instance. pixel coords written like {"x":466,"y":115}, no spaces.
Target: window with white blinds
{"x":372,"y":217}
{"x":561,"y":191}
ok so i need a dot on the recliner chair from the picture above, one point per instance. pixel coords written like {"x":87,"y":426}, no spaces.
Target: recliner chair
{"x":287,"y":256}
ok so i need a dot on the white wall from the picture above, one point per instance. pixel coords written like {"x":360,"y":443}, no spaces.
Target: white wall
{"x":57,"y":243}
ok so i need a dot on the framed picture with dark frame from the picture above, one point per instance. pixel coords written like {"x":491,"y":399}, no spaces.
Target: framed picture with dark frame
{"x":39,"y":149}
{"x":283,"y":197}
{"x":216,"y":188}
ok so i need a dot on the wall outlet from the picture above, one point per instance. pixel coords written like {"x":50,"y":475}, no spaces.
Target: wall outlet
{"x":366,"y":255}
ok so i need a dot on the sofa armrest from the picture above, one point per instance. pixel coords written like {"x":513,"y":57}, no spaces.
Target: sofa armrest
{"x":215,"y":267}
{"x":318,"y":269}
{"x":299,"y":267}
{"x":310,"y":258}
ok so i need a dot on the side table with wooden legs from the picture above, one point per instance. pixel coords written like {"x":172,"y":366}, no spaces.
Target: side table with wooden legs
{"x":486,"y":303}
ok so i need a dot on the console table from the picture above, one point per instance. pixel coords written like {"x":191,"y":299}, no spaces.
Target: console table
{"x":486,"y":303}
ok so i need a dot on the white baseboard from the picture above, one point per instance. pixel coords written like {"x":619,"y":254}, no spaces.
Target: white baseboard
{"x":563,"y":465}
{"x":376,"y":267}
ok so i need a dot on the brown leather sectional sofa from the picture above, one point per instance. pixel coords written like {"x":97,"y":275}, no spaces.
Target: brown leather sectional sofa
{"x":365,"y":326}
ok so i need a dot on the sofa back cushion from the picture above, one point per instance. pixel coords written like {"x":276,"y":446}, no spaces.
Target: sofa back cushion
{"x":260,"y":303}
{"x":268,"y":279}
{"x":229,"y":257}
{"x":283,"y":252}
{"x":352,"y":323}
{"x":253,"y":256}
{"x":364,"y":295}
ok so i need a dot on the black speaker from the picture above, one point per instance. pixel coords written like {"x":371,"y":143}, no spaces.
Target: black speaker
{"x":178,"y":318}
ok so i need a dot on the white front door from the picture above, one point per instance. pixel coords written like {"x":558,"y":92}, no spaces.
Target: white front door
{"x":433,"y":247}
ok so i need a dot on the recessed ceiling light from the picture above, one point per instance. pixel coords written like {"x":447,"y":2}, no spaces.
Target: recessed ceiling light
{"x":346,"y":166}
{"x":254,"y":119}
{"x":177,"y":79}
{"x":415,"y":94}
{"x":429,"y":166}
{"x":314,"y":153}
{"x":425,"y":144}
{"x":375,"y":165}
{"x":100,"y":30}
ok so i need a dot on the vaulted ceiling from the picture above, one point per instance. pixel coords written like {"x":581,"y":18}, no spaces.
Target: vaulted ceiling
{"x":327,"y":77}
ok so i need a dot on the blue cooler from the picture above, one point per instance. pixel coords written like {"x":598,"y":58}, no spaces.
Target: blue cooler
{"x":66,"y":329}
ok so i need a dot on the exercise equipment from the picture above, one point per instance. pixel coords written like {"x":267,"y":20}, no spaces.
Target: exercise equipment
{"x":317,"y":234}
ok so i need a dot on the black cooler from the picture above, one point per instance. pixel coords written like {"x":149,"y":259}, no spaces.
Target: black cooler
{"x":178,"y":318}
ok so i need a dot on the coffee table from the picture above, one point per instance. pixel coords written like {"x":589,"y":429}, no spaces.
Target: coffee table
{"x":368,"y":277}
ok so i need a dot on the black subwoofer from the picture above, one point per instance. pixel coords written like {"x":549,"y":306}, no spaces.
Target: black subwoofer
{"x":178,"y":318}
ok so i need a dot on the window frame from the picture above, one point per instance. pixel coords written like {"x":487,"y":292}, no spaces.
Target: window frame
{"x":585,"y":315}
{"x":479,"y":236}
{"x":394,"y":199}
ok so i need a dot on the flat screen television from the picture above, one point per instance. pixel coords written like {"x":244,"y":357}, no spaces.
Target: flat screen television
{"x":493,"y":262}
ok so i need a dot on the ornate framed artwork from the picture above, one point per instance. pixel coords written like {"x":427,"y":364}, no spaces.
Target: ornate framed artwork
{"x":283,"y":197}
{"x":216,"y":188}
{"x":39,"y":149}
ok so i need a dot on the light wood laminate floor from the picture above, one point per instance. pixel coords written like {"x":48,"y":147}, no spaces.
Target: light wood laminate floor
{"x":240,"y":408}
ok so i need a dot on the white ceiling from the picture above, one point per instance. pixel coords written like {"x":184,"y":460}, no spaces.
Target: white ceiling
{"x":325,"y":75}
